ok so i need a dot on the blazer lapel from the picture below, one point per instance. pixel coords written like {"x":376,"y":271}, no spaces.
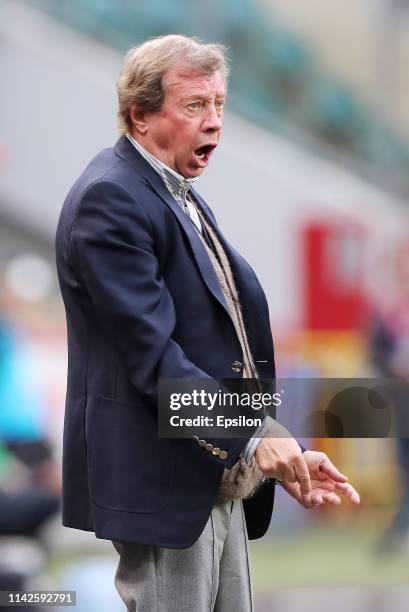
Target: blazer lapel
{"x":127,"y":151}
{"x":238,"y":263}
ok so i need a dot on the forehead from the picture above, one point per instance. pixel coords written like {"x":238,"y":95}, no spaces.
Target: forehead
{"x":182,"y":81}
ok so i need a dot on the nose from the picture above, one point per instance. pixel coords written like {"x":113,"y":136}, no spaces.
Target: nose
{"x":213,"y":120}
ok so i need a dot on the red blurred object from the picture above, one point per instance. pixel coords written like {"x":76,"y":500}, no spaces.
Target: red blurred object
{"x":332,"y":265}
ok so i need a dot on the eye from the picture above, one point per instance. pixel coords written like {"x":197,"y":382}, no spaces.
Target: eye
{"x":194,"y":105}
{"x":220,"y":104}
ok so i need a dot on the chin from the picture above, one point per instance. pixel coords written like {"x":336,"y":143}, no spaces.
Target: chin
{"x":194,"y":173}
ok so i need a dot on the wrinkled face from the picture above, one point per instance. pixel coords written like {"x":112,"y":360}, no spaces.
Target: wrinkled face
{"x":186,"y":130}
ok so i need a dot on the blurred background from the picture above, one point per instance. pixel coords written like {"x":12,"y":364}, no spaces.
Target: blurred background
{"x":318,"y":112}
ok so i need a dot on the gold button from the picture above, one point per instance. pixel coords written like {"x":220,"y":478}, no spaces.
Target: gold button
{"x":236,"y":366}
{"x":209,"y":447}
{"x":202,"y":442}
{"x":223,"y":455}
{"x":216,"y":451}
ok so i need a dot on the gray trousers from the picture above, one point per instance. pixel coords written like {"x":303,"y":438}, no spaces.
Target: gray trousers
{"x":211,"y":575}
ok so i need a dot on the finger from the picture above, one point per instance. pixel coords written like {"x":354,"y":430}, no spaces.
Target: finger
{"x":328,"y":468}
{"x":289,"y":474}
{"x":306,"y":501}
{"x":332,"y":498}
{"x":349,"y":491}
{"x":303,"y":475}
{"x":317,"y":500}
{"x":293,"y":488}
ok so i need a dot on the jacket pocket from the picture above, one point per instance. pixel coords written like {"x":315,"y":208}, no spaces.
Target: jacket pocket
{"x":130,"y":469}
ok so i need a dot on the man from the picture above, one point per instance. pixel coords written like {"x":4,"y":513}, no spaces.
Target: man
{"x":153,"y":290}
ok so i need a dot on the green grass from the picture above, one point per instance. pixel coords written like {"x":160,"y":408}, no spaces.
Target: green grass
{"x":327,"y":557}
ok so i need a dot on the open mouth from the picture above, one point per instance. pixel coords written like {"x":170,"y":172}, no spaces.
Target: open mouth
{"x":204,"y":152}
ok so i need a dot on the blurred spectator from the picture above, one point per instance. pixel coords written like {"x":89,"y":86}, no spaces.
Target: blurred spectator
{"x":389,"y":351}
{"x":23,"y":418}
{"x":29,"y":479}
{"x":24,"y":510}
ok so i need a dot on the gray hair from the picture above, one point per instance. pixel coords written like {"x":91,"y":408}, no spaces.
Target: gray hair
{"x":141,"y":81}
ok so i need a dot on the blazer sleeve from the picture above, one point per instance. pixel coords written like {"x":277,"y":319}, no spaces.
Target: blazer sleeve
{"x":112,"y":251}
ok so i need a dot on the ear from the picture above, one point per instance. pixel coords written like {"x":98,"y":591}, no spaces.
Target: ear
{"x":138,"y":119}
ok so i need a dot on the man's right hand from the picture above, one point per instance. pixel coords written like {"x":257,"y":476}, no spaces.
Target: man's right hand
{"x":281,"y":458}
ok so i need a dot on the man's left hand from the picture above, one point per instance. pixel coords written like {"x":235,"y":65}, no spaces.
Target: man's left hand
{"x":327,"y":482}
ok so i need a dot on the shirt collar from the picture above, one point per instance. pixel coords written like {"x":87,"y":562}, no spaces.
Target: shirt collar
{"x":177,"y":184}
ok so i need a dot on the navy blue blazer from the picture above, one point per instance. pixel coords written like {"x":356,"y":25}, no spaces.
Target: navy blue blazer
{"x":142,"y":303}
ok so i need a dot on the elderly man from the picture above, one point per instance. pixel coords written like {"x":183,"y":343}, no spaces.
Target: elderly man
{"x":153,"y":290}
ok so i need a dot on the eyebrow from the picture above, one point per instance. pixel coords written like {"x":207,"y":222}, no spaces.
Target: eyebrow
{"x":200,"y":96}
